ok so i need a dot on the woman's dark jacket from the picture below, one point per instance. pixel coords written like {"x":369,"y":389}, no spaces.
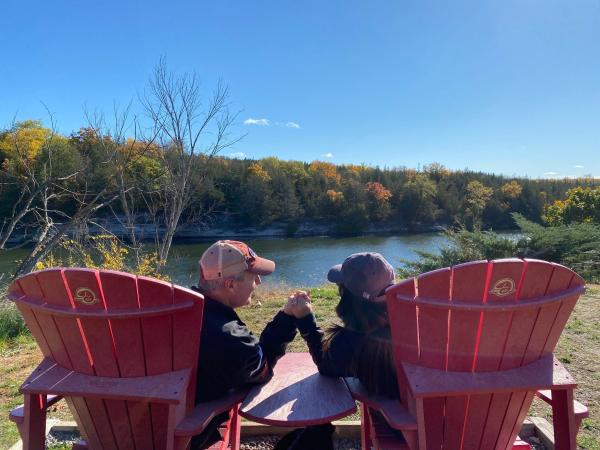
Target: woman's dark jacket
{"x":350,"y":353}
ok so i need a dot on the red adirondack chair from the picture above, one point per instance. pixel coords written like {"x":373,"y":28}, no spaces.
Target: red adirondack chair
{"x":473,"y":344}
{"x":123,"y":352}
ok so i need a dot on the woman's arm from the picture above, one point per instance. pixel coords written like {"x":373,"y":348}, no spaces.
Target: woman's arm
{"x":337,"y":359}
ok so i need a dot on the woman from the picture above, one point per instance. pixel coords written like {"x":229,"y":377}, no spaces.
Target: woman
{"x":361,"y":345}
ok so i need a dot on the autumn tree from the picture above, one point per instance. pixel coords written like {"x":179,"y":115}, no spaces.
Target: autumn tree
{"x":36,"y":167}
{"x":379,"y":200}
{"x":582,"y":205}
{"x":476,"y":199}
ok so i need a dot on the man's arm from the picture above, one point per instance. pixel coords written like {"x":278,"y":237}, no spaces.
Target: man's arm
{"x":254,"y":358}
{"x":274,"y":339}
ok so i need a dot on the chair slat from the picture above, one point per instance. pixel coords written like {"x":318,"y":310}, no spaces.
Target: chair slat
{"x":433,"y":322}
{"x":185,"y":325}
{"x":404,"y":327}
{"x":158,"y":345}
{"x":561,"y":280}
{"x":454,"y":422}
{"x":469,"y":282}
{"x":32,"y":290}
{"x":536,"y":283}
{"x":42,"y":324}
{"x":141,"y":424}
{"x":433,"y":412}
{"x":508,"y":434}
{"x":118,"y":416}
{"x":33,"y":325}
{"x":120,"y":292}
{"x":477,"y":412}
{"x":468,"y":286}
{"x":81,"y":413}
{"x":504,"y":280}
{"x":102,"y":423}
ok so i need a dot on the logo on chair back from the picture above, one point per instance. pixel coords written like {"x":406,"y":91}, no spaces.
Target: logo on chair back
{"x":86,"y":296}
{"x":504,"y":287}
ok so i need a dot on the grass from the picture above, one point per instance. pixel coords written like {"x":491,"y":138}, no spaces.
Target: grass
{"x":578,"y":349}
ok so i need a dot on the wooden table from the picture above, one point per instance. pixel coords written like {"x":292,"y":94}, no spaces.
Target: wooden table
{"x":298,"y":396}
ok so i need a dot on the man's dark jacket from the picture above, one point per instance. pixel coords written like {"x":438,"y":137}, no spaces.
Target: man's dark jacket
{"x":231,"y":356}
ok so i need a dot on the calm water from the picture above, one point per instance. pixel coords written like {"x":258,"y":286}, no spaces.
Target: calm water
{"x":305,"y":261}
{"x":300,"y":261}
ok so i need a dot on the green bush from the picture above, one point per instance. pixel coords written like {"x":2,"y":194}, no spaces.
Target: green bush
{"x":463,"y":246}
{"x":575,"y":245}
{"x":11,"y":323}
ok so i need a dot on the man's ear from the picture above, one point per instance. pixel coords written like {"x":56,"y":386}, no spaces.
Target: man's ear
{"x":230,"y":283}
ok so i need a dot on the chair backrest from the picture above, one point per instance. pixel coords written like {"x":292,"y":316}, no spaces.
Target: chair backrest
{"x":113,"y":324}
{"x":482,"y":316}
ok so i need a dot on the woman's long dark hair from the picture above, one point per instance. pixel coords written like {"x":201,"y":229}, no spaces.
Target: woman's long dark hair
{"x":373,"y":362}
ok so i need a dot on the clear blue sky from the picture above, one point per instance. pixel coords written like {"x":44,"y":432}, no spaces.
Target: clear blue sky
{"x":509,"y":86}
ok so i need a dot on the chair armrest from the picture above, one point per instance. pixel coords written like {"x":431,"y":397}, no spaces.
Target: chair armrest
{"x":581,"y":411}
{"x":198,"y":418}
{"x":50,"y":378}
{"x":17,"y":415}
{"x":545,"y":373}
{"x":396,"y":415}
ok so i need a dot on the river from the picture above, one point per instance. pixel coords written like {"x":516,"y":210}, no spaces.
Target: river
{"x":300,"y":262}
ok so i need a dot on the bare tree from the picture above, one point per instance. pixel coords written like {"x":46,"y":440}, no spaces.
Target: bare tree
{"x":188,"y":133}
{"x":126,"y":151}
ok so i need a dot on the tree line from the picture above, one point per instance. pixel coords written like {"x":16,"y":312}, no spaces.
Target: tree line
{"x":46,"y":177}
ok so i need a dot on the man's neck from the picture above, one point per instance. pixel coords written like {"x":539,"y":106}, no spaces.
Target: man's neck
{"x":219,"y":296}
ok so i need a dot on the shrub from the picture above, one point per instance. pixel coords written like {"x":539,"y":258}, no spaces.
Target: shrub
{"x":103,"y":252}
{"x":11,"y":323}
{"x":575,"y":245}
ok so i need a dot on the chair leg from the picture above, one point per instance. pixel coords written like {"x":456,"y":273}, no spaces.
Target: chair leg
{"x":365,"y":427}
{"x":235,"y":429}
{"x":563,"y":418}
{"x":34,"y":422}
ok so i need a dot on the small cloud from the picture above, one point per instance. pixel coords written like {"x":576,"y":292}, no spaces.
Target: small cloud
{"x":292,"y":125}
{"x":578,"y":166}
{"x":259,"y":122}
{"x":550,"y":173}
{"x":237,"y":155}
{"x":327,"y":155}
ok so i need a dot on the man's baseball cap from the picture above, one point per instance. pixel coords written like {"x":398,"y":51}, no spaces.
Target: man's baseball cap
{"x":365,"y":275}
{"x":226,"y":259}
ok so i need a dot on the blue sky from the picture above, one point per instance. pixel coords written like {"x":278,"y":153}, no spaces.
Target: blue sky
{"x":510,"y":87}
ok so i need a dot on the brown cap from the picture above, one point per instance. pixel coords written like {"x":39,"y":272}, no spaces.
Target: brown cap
{"x":226,"y":259}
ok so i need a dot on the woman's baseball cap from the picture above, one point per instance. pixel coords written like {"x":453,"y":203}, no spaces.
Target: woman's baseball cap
{"x":365,"y":275}
{"x":226,"y":259}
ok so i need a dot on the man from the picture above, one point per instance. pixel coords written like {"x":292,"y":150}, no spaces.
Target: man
{"x":230,"y":355}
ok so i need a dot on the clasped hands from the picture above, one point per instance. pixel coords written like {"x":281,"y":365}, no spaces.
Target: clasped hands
{"x":298,"y":305}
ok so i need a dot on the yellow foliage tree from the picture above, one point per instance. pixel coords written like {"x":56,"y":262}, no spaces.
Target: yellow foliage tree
{"x":256,"y":170}
{"x":327,"y":169}
{"x":511,"y":190}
